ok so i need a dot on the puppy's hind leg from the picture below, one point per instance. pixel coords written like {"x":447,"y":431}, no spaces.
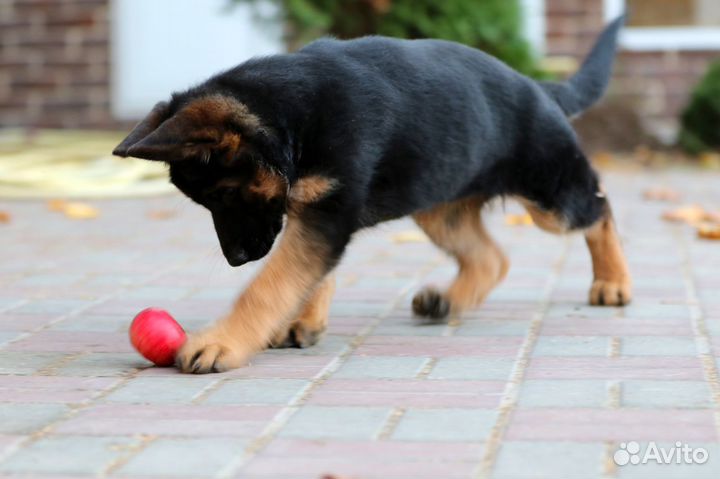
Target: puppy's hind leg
{"x":612,"y":285}
{"x":457,"y":228}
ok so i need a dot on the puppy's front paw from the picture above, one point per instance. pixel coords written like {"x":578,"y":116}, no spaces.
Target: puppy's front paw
{"x":298,"y":335}
{"x":610,"y":293}
{"x":431,"y":303}
{"x":209,"y":352}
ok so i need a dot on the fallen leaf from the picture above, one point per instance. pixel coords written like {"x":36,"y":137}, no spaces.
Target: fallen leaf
{"x":56,"y":205}
{"x":160,"y":214}
{"x":518,"y":220}
{"x":710,"y":160}
{"x":603,"y":158}
{"x":661,"y":194}
{"x":4,"y":217}
{"x":709,"y":231}
{"x":410,"y":236}
{"x":689,"y":214}
{"x":80,"y":211}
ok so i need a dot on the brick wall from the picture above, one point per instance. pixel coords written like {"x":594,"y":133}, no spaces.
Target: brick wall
{"x":54,"y":63}
{"x":656,"y":84}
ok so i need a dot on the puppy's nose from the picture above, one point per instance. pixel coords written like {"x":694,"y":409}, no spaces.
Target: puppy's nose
{"x":237,"y":258}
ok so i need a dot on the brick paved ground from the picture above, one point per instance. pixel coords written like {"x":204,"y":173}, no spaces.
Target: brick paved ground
{"x":533,"y":384}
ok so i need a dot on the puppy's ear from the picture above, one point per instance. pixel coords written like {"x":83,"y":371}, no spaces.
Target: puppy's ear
{"x":157,"y":115}
{"x":204,"y":126}
{"x":176,"y":138}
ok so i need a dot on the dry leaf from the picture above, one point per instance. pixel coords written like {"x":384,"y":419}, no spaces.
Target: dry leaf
{"x":661,"y":194}
{"x":603,"y":158}
{"x":160,"y":214}
{"x":56,"y":205}
{"x":410,"y":236}
{"x":518,"y":220}
{"x":4,"y":217}
{"x":80,"y":211}
{"x":710,"y":160}
{"x":709,"y":231}
{"x":689,"y":214}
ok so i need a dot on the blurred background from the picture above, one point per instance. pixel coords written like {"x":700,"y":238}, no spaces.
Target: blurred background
{"x":91,"y":68}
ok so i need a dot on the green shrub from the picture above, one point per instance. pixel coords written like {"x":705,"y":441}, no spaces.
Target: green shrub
{"x":700,"y":130}
{"x":490,"y":25}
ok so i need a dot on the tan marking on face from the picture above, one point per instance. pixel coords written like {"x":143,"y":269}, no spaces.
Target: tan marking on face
{"x":268,"y":184}
{"x":457,"y":228}
{"x":293,"y":271}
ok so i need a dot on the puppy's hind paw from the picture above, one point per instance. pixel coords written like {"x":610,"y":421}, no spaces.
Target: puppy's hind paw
{"x":431,"y":303}
{"x":610,"y":293}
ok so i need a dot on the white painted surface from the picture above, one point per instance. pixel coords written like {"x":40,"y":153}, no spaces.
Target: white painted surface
{"x":534,"y":24}
{"x":663,"y":38}
{"x":161,"y":46}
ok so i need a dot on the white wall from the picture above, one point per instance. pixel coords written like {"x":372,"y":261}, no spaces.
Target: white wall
{"x":534,"y":23}
{"x":160,"y":46}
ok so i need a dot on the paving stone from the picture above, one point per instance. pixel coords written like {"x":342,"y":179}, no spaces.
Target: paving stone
{"x":387,"y":396}
{"x":28,"y":418}
{"x":542,"y":459}
{"x":20,"y":362}
{"x":381,"y":367}
{"x":51,"y":389}
{"x":257,"y":391}
{"x":658,"y":346}
{"x":669,"y":394}
{"x":571,"y":346}
{"x":408,"y":393}
{"x":563,"y":393}
{"x":472,"y":368}
{"x":102,"y":364}
{"x":584,"y":424}
{"x":173,"y":457}
{"x":445,"y":425}
{"x":169,"y":420}
{"x":317,"y":422}
{"x":60,"y":455}
{"x":181,"y":389}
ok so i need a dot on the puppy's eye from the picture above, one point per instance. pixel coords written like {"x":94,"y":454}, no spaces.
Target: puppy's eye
{"x":223,"y":195}
{"x":229,"y":195}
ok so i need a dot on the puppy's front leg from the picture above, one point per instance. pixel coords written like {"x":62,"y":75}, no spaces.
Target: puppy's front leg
{"x":300,"y":261}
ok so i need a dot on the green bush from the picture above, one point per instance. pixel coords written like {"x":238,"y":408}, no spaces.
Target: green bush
{"x":490,"y":25}
{"x":700,"y":130}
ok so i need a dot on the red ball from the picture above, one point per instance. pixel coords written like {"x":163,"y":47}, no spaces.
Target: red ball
{"x":157,"y":336}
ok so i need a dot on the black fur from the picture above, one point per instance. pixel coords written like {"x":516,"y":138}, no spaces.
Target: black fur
{"x":400,"y":126}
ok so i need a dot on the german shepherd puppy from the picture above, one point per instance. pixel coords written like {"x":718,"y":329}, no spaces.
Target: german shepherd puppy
{"x":342,"y":135}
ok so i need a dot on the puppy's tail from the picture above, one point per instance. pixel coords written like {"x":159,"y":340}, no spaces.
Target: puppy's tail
{"x":588,"y":85}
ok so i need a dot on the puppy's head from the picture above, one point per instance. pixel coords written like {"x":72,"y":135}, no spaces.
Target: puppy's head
{"x":216,"y":149}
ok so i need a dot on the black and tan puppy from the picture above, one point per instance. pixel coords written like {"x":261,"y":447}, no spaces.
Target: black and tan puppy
{"x":342,"y":135}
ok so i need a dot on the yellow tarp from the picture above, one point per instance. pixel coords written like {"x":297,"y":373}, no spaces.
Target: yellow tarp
{"x":74,"y":164}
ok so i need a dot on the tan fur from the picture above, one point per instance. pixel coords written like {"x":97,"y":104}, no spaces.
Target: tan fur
{"x":458,"y":229}
{"x":216,"y":109}
{"x":309,"y":189}
{"x":268,"y":184}
{"x":273,"y":298}
{"x":612,"y":284}
{"x":545,"y":220}
{"x":312,"y":321}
